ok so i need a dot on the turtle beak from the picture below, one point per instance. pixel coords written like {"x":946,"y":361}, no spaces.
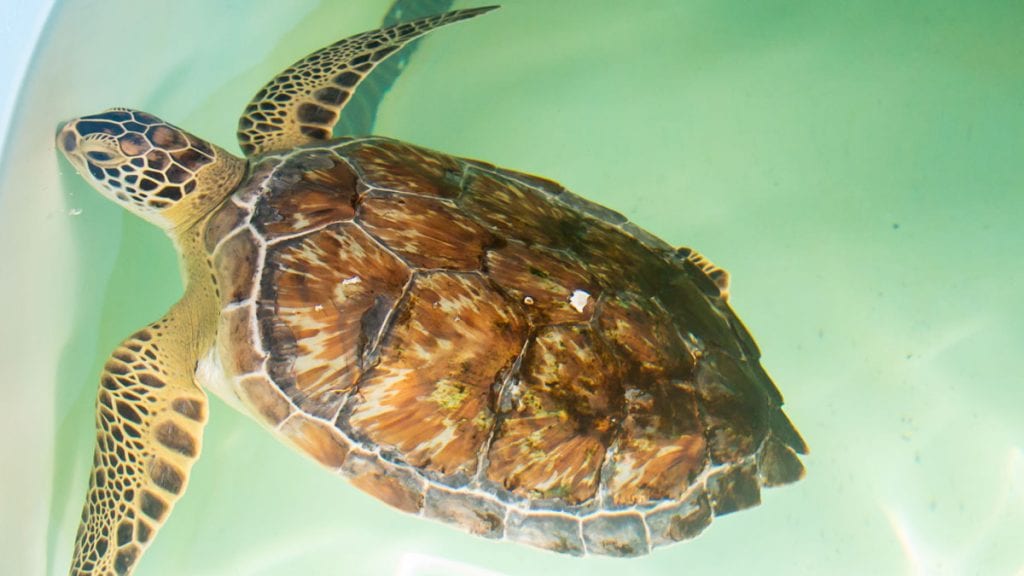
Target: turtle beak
{"x":67,"y":138}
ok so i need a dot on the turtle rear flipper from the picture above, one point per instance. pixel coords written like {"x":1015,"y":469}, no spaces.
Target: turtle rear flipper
{"x":302,"y":104}
{"x":149,"y":423}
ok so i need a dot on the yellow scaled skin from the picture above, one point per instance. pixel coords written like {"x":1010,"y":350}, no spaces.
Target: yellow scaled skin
{"x":150,"y":410}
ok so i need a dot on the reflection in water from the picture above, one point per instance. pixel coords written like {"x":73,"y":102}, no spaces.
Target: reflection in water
{"x":931,"y":559}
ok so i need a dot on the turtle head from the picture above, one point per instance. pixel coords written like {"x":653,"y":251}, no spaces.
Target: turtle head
{"x":154,"y":169}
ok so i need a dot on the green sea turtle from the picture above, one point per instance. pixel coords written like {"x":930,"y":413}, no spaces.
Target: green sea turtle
{"x":464,"y":342}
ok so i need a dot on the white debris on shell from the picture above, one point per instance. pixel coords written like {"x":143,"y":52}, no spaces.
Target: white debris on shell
{"x":579,"y":300}
{"x":352,"y":280}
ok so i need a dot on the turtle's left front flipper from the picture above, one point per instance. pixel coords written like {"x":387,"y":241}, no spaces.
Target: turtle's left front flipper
{"x":302,"y":104}
{"x":149,"y":424}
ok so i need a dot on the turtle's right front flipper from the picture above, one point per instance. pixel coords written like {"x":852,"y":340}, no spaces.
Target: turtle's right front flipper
{"x":302,"y":104}
{"x":149,"y":423}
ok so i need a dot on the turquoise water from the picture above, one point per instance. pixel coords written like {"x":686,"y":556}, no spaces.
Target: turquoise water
{"x":857,"y":167}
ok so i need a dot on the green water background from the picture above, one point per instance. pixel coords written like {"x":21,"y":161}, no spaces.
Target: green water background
{"x":858,"y":167}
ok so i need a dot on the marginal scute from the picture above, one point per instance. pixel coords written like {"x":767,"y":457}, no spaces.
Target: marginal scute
{"x":680,"y":522}
{"x":783,"y":430}
{"x":428,"y":396}
{"x":475,"y":514}
{"x":254,"y":186}
{"x":615,"y":534}
{"x":236,"y":262}
{"x":264,"y":399}
{"x":317,"y":439}
{"x":585,"y":206}
{"x":735,"y":408}
{"x":778,"y":464}
{"x":387,"y":482}
{"x":734,"y":488}
{"x":554,"y":532}
{"x":225,"y":220}
{"x":239,"y":352}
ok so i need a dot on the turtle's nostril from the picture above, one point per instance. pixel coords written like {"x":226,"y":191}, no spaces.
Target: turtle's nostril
{"x":67,"y":140}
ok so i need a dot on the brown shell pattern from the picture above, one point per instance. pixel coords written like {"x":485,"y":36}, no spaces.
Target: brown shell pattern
{"x":483,"y":347}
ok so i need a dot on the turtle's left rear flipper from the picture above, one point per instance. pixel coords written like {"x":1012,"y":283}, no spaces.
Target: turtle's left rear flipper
{"x":149,"y":423}
{"x":302,"y":104}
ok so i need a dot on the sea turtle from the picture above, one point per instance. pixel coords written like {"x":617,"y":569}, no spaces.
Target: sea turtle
{"x":464,"y":342}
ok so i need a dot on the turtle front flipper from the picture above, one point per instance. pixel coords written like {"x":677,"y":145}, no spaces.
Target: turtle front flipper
{"x":149,"y":423}
{"x":303,"y":103}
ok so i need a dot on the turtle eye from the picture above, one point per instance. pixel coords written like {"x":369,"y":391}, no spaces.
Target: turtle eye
{"x":102,"y":155}
{"x":99,"y":156}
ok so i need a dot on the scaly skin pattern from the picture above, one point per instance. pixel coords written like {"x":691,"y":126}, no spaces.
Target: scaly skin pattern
{"x":485,"y":348}
{"x":154,"y":169}
{"x":150,"y":411}
{"x":304,"y":102}
{"x":149,"y":421}
{"x":148,"y":436}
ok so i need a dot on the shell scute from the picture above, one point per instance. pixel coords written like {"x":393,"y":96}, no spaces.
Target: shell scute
{"x":646,"y":337}
{"x":429,"y":395}
{"x":426,"y":232}
{"x":398,"y":166}
{"x":545,"y":281}
{"x":559,"y":419}
{"x":661,"y":447}
{"x":305,"y":193}
{"x":318,"y":312}
{"x":516,"y":211}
